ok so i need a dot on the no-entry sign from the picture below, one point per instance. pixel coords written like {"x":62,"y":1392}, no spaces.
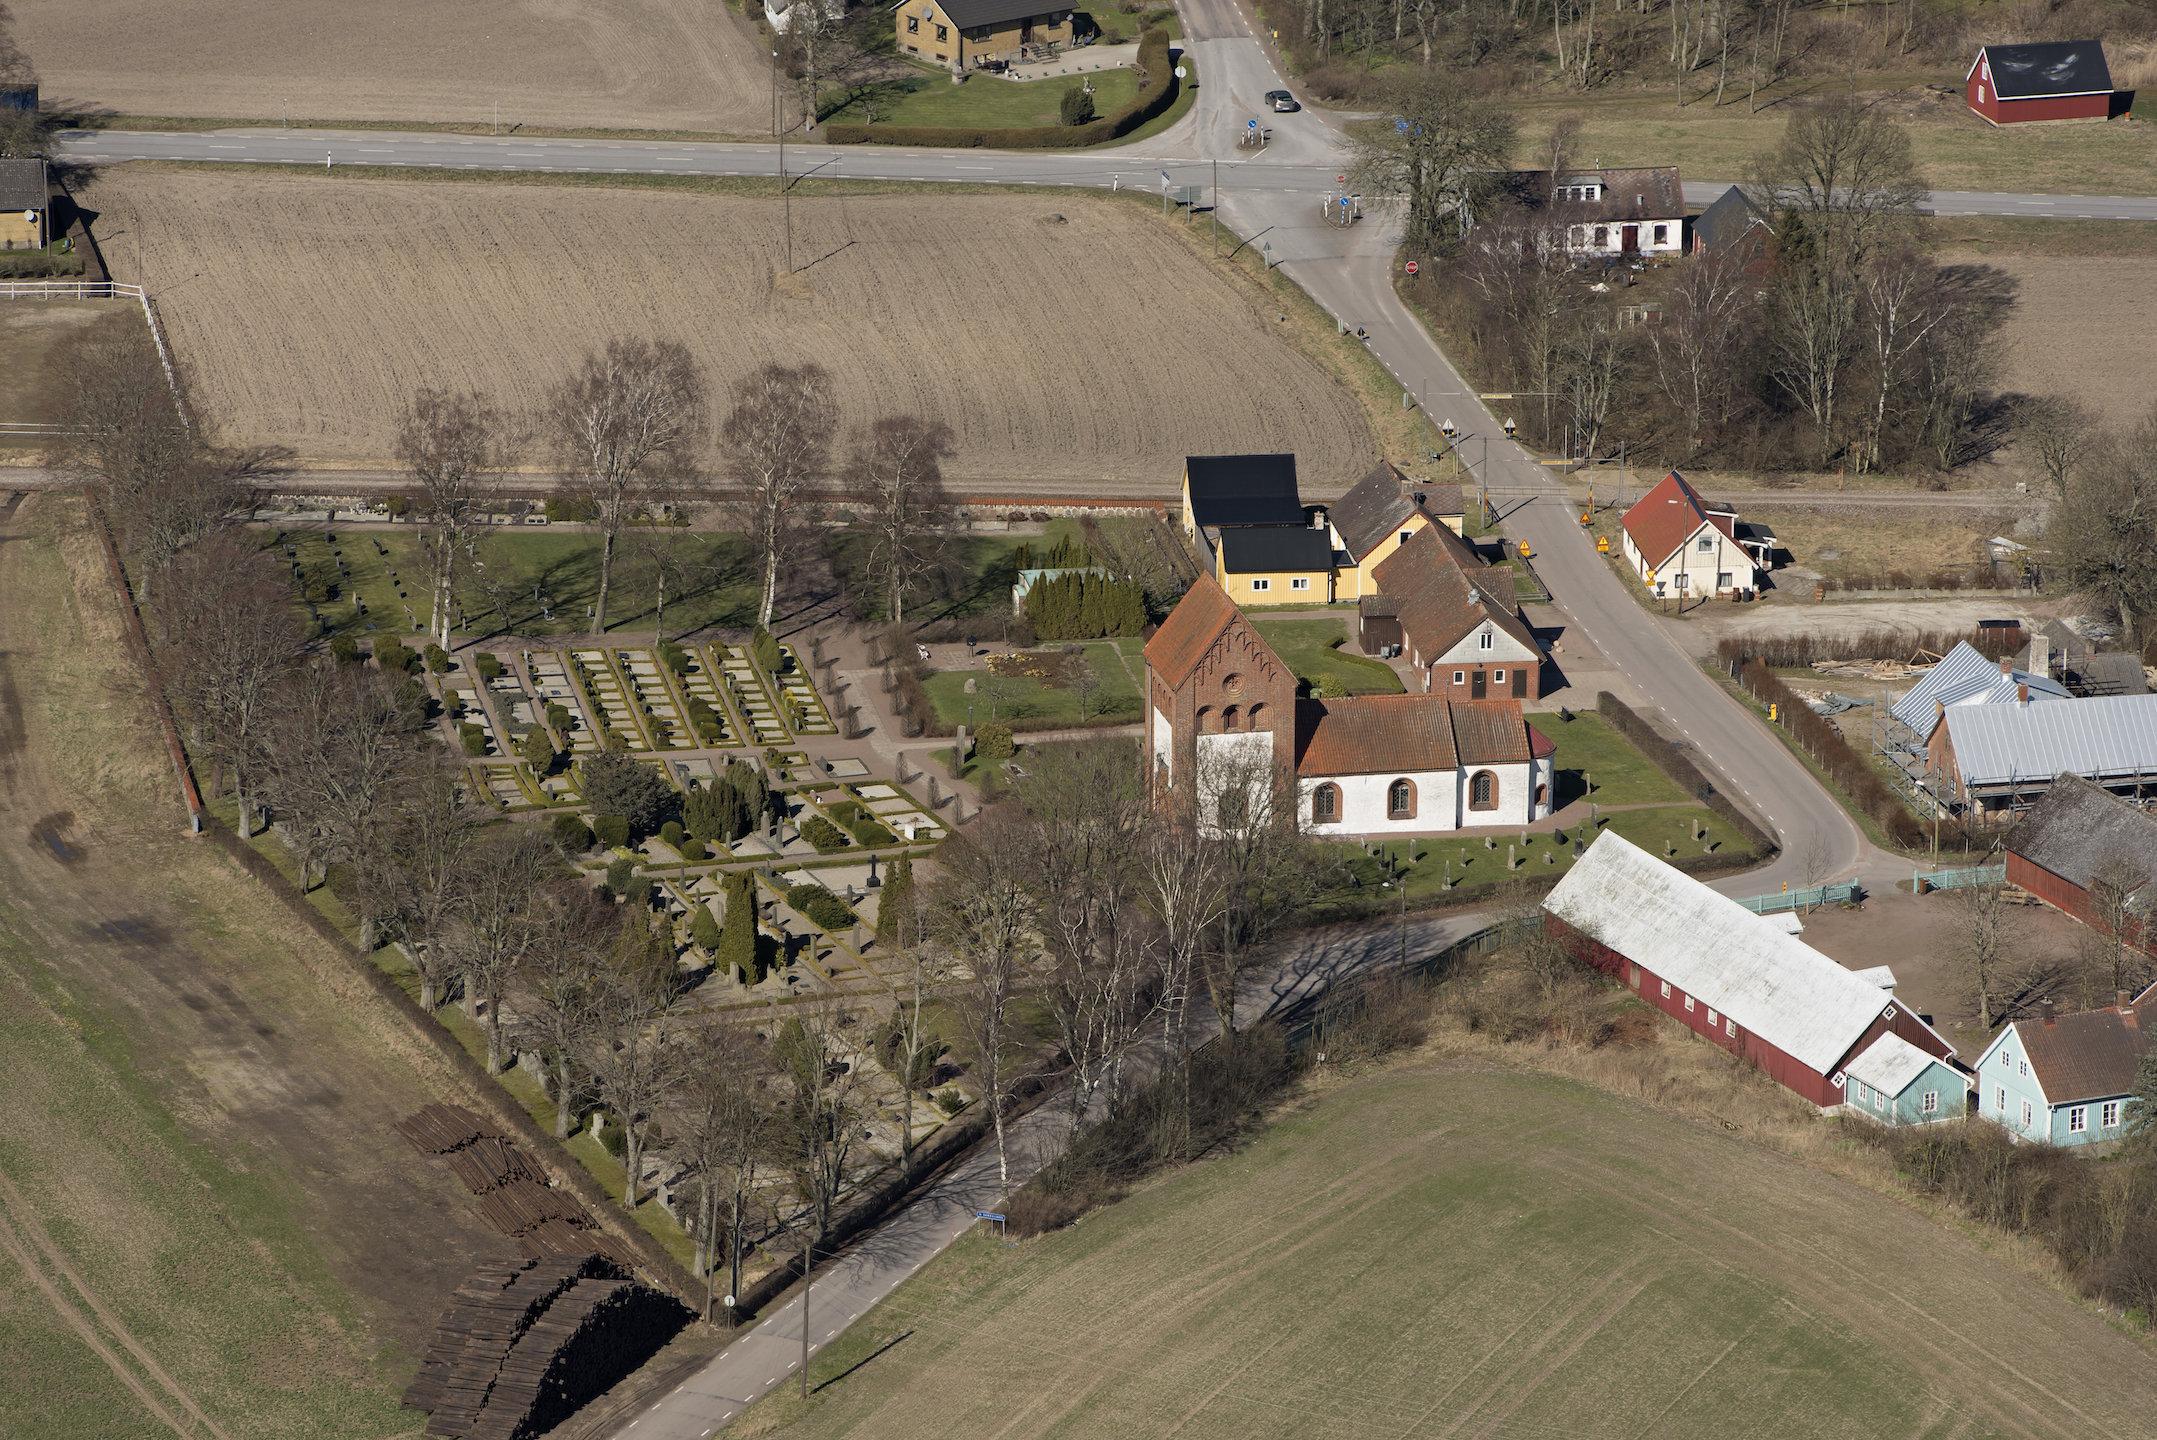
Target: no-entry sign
{"x":1411,"y":267}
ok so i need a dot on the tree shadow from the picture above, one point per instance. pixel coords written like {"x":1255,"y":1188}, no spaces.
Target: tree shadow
{"x":873,"y":1354}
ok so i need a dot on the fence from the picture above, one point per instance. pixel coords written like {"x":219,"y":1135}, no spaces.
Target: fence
{"x":1959,"y":879}
{"x":96,"y":290}
{"x":1806,"y":899}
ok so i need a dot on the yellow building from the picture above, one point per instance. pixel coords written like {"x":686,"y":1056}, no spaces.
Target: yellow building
{"x":1376,"y":517}
{"x":1275,"y":565}
{"x":967,"y":34}
{"x":25,"y":204}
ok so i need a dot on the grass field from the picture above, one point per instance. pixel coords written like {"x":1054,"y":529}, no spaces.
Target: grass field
{"x":1028,"y":698}
{"x":984,"y":100}
{"x":283,"y":358}
{"x":1589,"y":748}
{"x":1478,"y":1253}
{"x":1313,"y":648}
{"x":29,"y":331}
{"x":203,"y":1213}
{"x":386,"y":570}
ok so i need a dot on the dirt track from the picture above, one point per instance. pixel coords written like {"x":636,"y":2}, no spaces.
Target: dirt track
{"x":617,"y":64}
{"x":1096,"y":348}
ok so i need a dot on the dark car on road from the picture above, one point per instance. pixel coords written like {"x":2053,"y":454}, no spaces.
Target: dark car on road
{"x":1282,"y":101}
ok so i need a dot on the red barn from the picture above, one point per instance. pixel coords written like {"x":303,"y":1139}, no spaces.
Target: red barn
{"x":2061,"y":80}
{"x":1729,"y":975}
{"x":2090,"y":853}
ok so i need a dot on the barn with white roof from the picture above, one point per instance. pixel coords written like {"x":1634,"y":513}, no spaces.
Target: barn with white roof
{"x":1709,"y":962}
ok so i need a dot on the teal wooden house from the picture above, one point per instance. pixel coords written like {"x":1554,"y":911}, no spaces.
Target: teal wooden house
{"x":2063,"y":1079}
{"x":1895,"y":1083}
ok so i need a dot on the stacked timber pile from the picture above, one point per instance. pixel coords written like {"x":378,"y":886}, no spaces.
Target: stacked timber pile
{"x":521,"y":1205}
{"x":562,"y":1237}
{"x":597,"y":1332}
{"x":441,"y":1129}
{"x":489,"y":1163}
{"x":485,"y":1318}
{"x":1872,"y":669}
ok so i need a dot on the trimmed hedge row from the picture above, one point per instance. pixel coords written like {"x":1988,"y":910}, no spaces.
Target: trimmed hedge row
{"x":1156,"y":95}
{"x":1675,"y":763}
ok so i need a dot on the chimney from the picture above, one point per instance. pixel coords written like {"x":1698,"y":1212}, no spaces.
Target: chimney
{"x":2126,"y":1008}
{"x":2041,"y":654}
{"x":2044,"y":1008}
{"x":2007,"y":665}
{"x":2022,"y":693}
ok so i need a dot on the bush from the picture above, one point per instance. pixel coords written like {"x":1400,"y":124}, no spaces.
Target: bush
{"x":392,"y":656}
{"x":897,"y":898}
{"x":619,"y":872}
{"x":612,"y":830}
{"x":1679,"y":766}
{"x":345,"y":650}
{"x":820,"y":905}
{"x":1077,"y":106}
{"x":561,"y":511}
{"x":437,"y":659}
{"x":704,"y":930}
{"x":639,"y":891}
{"x":738,"y":947}
{"x":671,"y":833}
{"x":397,"y":506}
{"x":475,"y":739}
{"x":824,"y":835}
{"x":572,"y":834}
{"x":693,"y":849}
{"x":674,"y":657}
{"x":538,"y":751}
{"x":1793,"y":650}
{"x":764,"y":649}
{"x":1086,"y":606}
{"x":950,"y":1101}
{"x":993,"y":742}
{"x":559,"y":716}
{"x":617,"y":785}
{"x":490,"y":666}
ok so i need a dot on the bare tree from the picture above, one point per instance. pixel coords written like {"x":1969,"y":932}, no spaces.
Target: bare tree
{"x":721,"y":1134}
{"x":1696,"y":346}
{"x":2116,"y":894}
{"x":1436,"y":135}
{"x":1983,"y":941}
{"x":1181,"y":886}
{"x":778,"y":436}
{"x":2104,"y":535}
{"x":2060,"y":432}
{"x":121,"y":425}
{"x":986,"y":917}
{"x":572,"y":926}
{"x":1846,"y":164}
{"x":339,"y":754}
{"x":630,"y":1051}
{"x":455,"y":448}
{"x":408,"y":875}
{"x":1813,"y":331}
{"x":632,"y":417}
{"x":1248,"y":803}
{"x":815,"y":1132}
{"x":898,"y":460}
{"x":493,"y":931}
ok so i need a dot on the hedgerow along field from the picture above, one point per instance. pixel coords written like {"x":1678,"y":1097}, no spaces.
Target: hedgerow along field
{"x":1452,"y":1253}
{"x":636,"y":64}
{"x":310,"y":308}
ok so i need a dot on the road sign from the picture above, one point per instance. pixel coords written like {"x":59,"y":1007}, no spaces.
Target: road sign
{"x":1344,"y":202}
{"x":986,"y":1215}
{"x":1250,"y":125}
{"x":1411,"y":267}
{"x":1340,"y":179}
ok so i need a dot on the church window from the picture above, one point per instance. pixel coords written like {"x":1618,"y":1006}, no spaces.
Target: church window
{"x":1231,"y":684}
{"x":1205,"y":719}
{"x":1257,"y":719}
{"x":1401,"y":800}
{"x":1326,"y":804}
{"x":1230,"y":717}
{"x":1483,"y":791}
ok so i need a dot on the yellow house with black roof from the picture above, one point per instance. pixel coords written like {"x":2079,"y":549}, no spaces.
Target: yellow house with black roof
{"x":966,"y":34}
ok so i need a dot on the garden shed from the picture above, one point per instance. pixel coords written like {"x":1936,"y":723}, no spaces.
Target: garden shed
{"x":2062,"y":80}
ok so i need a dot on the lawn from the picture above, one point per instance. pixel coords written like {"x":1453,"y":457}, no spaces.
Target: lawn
{"x":1029,"y":697}
{"x":1587,"y":747}
{"x":1481,"y":858}
{"x":977,"y":575}
{"x":1472,"y":1252}
{"x":708,"y":581}
{"x":987,"y":102}
{"x":1313,"y":648}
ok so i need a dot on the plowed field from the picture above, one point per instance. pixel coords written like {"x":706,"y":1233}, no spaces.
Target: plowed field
{"x":632,"y":64}
{"x":2076,"y":330}
{"x":1062,"y":338}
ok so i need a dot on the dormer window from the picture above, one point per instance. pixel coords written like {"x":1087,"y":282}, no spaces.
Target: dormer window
{"x":1483,"y":641}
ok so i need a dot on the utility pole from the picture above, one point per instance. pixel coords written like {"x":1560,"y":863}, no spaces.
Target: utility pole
{"x":1216,"y":209}
{"x":808,"y":1264}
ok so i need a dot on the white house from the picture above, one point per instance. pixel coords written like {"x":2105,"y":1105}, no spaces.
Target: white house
{"x":1679,"y":544}
{"x":1636,"y":210}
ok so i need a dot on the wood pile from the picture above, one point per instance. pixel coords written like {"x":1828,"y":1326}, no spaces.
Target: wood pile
{"x":440,"y":1129}
{"x":597,"y":1332}
{"x":559,"y":1237}
{"x":1870,"y":669}
{"x":521,"y":1205}
{"x":489,"y":1163}
{"x":486,"y":1316}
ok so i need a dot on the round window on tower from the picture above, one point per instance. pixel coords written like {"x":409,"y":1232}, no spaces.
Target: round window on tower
{"x":1232,"y":685}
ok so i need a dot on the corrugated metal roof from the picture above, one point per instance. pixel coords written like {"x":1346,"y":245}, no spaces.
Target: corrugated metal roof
{"x":1713,"y":948}
{"x":1966,"y":677}
{"x":2109,"y":735}
{"x":1889,"y":1064}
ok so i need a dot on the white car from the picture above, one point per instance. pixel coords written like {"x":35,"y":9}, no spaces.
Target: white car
{"x":1281,"y":101}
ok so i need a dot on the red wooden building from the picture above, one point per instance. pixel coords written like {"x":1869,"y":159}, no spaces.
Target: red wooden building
{"x":2060,"y":80}
{"x":2089,"y":853}
{"x":1726,"y":973}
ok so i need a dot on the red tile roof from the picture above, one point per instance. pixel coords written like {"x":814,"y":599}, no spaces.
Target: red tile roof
{"x":1541,"y":746}
{"x":1439,"y":584}
{"x":1190,"y":630}
{"x":2083,"y":1057}
{"x":1405,"y":734}
{"x":1668,"y":516}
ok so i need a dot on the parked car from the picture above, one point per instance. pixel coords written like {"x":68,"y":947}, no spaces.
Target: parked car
{"x":1282,"y":101}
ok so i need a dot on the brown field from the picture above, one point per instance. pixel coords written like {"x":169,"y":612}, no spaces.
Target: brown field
{"x":625,"y":64}
{"x":2079,"y":328}
{"x":1847,"y":541}
{"x":1082,"y":350}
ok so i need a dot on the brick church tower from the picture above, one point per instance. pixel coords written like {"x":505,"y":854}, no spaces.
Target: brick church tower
{"x":1213,"y":686}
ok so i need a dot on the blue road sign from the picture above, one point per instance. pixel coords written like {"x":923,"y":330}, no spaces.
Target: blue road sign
{"x":986,"y":1215}
{"x":1250,"y":124}
{"x":1344,"y":202}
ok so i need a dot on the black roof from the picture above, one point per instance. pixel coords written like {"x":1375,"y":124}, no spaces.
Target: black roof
{"x":23,"y":185}
{"x":1728,"y":221}
{"x":2061,"y":67}
{"x":968,"y":13}
{"x":1243,"y":490}
{"x":1257,"y":549}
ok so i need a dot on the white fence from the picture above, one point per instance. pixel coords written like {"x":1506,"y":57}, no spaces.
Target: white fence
{"x":96,"y":290}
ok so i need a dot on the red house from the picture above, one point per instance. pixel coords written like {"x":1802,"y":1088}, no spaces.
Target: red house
{"x":2061,"y":80}
{"x":1733,"y":978}
{"x":2088,"y":852}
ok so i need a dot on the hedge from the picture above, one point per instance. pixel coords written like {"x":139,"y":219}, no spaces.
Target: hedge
{"x":1844,"y":765}
{"x":1679,"y":766}
{"x":1156,"y":95}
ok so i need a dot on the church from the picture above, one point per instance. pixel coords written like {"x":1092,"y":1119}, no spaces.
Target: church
{"x":1218,"y":696}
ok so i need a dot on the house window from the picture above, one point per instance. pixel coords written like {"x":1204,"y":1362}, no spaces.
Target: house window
{"x":1301,"y":582}
{"x":1400,"y":801}
{"x":1497,"y":677}
{"x":2006,"y":1058}
{"x":1483,"y":641}
{"x":1688,"y":1002}
{"x":2110,"y":1115}
{"x":1261,"y":584}
{"x":2078,"y":1119}
{"x":943,"y":33}
{"x":1580,"y":235}
{"x":913,"y":25}
{"x":1932,"y":1102}
{"x":1666,"y":989}
{"x":1713,"y":1018}
{"x":1685,"y":581}
{"x":1722,"y":579}
{"x":1325,"y":804}
{"x":2025,"y":1064}
{"x":1730,"y":1027}
{"x":1483,"y":791}
{"x":1602,"y":237}
{"x":1405,"y":534}
{"x":1707,"y":543}
{"x":1662,"y":234}
{"x":2025,"y":1114}
{"x":1460,"y":677}
{"x":1999,"y":1098}
{"x":1864,"y":1094}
